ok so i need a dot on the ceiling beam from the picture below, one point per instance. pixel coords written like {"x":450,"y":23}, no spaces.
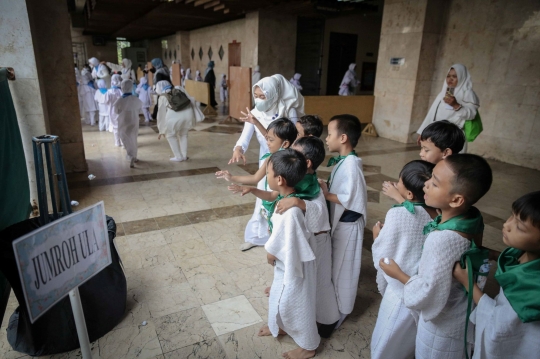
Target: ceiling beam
{"x":219,"y":7}
{"x":211,"y":4}
{"x":226,"y":11}
{"x":189,"y":1}
{"x":201,"y":2}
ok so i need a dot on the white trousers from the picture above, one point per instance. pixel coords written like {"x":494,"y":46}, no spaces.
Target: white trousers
{"x":147,"y":116}
{"x":103,"y":123}
{"x":91,"y":118}
{"x":179,"y":142}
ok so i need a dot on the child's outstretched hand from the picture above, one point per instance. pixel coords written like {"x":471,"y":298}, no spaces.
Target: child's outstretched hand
{"x":324,"y":186}
{"x":390,"y":190}
{"x":224,"y":174}
{"x":461,"y":275}
{"x":377,"y":229}
{"x":243,"y":190}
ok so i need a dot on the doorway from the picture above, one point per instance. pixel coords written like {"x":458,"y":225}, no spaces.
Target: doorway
{"x":368,"y":76}
{"x":309,"y":41}
{"x":342,"y":53}
{"x":235,"y":54}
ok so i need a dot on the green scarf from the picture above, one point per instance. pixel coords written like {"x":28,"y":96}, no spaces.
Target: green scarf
{"x":336,"y":159}
{"x":308,"y":188}
{"x":520,"y":283}
{"x":410,"y":205}
{"x":265,"y":156}
{"x":470,"y":223}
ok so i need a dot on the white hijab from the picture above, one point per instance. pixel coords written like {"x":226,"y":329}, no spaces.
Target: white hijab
{"x":116,"y":80}
{"x":126,"y":70}
{"x":94,"y":62}
{"x":295,"y":80}
{"x":283,"y":94}
{"x":163,"y":87}
{"x":256,"y":75}
{"x":126,"y":86}
{"x":188,"y":74}
{"x":349,"y":79}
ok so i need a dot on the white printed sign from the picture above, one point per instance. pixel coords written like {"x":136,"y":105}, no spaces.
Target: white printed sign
{"x":60,"y":256}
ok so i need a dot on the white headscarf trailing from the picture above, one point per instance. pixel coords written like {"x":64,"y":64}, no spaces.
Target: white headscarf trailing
{"x":464,"y":95}
{"x":126,"y":70}
{"x":349,"y":80}
{"x":163,"y":87}
{"x":94,"y":62}
{"x":283,"y":96}
{"x":295,"y":80}
{"x":126,"y":86}
{"x":116,"y":80}
{"x":188,"y":74}
{"x":198,"y":75}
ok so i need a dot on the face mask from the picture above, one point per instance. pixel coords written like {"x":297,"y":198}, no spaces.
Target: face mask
{"x":262,"y":105}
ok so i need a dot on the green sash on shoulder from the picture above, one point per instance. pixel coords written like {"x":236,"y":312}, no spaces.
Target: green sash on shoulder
{"x":470,"y":223}
{"x":409,"y":205}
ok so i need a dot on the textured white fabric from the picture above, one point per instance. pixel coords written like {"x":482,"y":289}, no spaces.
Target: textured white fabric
{"x":432,"y":343}
{"x":400,"y":239}
{"x":128,"y":109}
{"x":103,"y":123}
{"x":500,"y":334}
{"x":464,"y":95}
{"x":349,"y":82}
{"x":433,"y":292}
{"x":102,"y":100}
{"x":198,"y":76}
{"x":87,"y":94}
{"x":316,"y":220}
{"x":144,"y":95}
{"x":394,"y":334}
{"x":104,"y":74}
{"x":127,"y":73}
{"x":292,"y":296}
{"x":188,"y":74}
{"x":282,"y":94}
{"x":113,"y":94}
{"x":349,"y":184}
{"x":171,"y":122}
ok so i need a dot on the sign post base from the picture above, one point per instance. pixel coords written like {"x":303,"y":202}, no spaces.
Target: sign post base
{"x":80,"y":323}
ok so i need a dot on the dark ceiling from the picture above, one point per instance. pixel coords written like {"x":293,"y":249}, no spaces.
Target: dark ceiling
{"x":147,"y":19}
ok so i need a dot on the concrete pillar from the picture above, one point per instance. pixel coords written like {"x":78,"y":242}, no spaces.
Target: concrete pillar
{"x":410,"y":30}
{"x":182,"y":39}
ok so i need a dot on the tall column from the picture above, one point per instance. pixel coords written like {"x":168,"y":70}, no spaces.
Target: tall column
{"x":410,"y":30}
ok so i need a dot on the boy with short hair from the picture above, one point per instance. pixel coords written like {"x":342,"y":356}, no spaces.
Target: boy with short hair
{"x":347,"y":195}
{"x":440,"y":140}
{"x":309,"y":125}
{"x":281,"y":134}
{"x":456,"y":185}
{"x":508,"y":327}
{"x":292,"y":304}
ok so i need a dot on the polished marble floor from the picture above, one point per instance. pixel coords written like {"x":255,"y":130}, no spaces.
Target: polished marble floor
{"x":179,"y":230}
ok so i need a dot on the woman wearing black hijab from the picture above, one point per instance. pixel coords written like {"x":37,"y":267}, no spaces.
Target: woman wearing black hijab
{"x":210,"y":78}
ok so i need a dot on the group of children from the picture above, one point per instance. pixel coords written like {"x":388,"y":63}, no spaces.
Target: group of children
{"x":316,"y":233}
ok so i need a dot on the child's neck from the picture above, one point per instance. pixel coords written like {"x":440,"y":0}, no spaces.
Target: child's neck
{"x":450,"y":212}
{"x":528,"y":257}
{"x":310,"y":171}
{"x":345,"y":149}
{"x":285,"y":190}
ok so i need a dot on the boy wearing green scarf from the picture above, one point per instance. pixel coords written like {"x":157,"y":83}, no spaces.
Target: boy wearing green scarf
{"x":457,"y":183}
{"x":509,"y":326}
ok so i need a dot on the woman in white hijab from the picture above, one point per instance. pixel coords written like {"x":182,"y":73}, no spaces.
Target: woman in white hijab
{"x":128,"y":108}
{"x":100,"y":71}
{"x":275,"y":97}
{"x":113,"y":94}
{"x":127,"y":73}
{"x":94,"y":64}
{"x":198,"y":76}
{"x":188,"y":74}
{"x":88,"y":92}
{"x":295,"y":80}
{"x":223,"y":92}
{"x":174,"y":125}
{"x":255,"y":75}
{"x":456,"y":102}
{"x":349,"y":82}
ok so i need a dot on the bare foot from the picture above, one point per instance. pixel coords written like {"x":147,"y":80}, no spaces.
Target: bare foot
{"x":265,"y":331}
{"x":299,"y":353}
{"x":267,"y":291}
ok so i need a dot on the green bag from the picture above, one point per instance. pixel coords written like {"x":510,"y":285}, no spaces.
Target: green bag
{"x":473,"y":128}
{"x":473,"y":259}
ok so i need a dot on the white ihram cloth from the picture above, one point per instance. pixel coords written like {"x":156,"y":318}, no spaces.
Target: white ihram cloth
{"x":464,"y":95}
{"x":400,"y":239}
{"x":103,"y":105}
{"x":349,"y":82}
{"x":316,"y":220}
{"x":500,"y":334}
{"x":287,"y":102}
{"x":144,"y":95}
{"x":440,"y":299}
{"x":128,"y":109}
{"x":349,"y":185}
{"x":291,"y":304}
{"x":113,"y":94}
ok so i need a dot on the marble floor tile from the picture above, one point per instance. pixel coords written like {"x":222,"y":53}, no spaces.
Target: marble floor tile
{"x":207,"y":264}
{"x":147,"y":257}
{"x":231,"y":314}
{"x":212,"y":288}
{"x":235,"y":259}
{"x":207,"y":349}
{"x":141,"y":240}
{"x":189,"y":248}
{"x":136,"y":311}
{"x":151,"y":278}
{"x":167,"y":300}
{"x":183,"y":328}
{"x":144,"y":225}
{"x":136,"y":341}
{"x":181,"y":233}
{"x":172,"y":221}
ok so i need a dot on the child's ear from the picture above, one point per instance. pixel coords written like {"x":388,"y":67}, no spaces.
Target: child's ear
{"x":457,"y":201}
{"x":343,"y":138}
{"x":447,"y":152}
{"x":410,"y":195}
{"x":309,"y":164}
{"x":285,"y":144}
{"x":281,"y":181}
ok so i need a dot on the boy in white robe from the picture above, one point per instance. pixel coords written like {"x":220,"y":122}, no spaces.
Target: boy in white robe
{"x":400,"y":238}
{"x":87,"y":92}
{"x":281,"y":134}
{"x":347,"y":194}
{"x":144,"y":91}
{"x":508,"y":327}
{"x":102,"y":100}
{"x":113,"y":94}
{"x":128,"y":108}
{"x":292,"y":307}
{"x":456,"y":184}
